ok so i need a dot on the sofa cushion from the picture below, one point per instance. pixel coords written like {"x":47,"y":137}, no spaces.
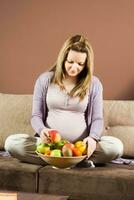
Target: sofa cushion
{"x":119,"y":112}
{"x":18,"y":176}
{"x":89,"y":183}
{"x":126,"y":135}
{"x":119,"y":122}
{"x":15,"y":114}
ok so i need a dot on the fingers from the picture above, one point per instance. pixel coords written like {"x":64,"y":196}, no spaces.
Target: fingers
{"x":89,"y":151}
{"x":91,"y":146}
{"x":85,"y":140}
{"x":88,"y":147}
{"x":44,"y":136}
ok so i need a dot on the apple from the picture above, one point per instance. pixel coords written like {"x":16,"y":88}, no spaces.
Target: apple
{"x":81,"y":146}
{"x":55,"y":152}
{"x":68,"y":145}
{"x":54,"y":136}
{"x":43,"y":148}
{"x":67,"y":151}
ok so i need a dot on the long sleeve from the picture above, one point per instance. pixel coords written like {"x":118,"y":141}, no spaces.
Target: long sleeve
{"x":37,"y":109}
{"x":97,"y":112}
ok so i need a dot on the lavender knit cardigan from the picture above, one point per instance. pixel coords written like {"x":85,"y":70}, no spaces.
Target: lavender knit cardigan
{"x":93,"y":114}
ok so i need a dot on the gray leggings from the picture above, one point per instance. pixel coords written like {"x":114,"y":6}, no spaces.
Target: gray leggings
{"x":23,"y":146}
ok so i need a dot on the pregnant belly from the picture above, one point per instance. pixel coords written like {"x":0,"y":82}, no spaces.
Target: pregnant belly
{"x":71,"y":125}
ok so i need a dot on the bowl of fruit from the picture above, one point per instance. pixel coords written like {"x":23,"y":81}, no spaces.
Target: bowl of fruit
{"x":61,"y":153}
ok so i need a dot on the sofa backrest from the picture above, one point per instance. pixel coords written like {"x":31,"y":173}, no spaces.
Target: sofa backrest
{"x":16,"y":109}
{"x":15,"y":113}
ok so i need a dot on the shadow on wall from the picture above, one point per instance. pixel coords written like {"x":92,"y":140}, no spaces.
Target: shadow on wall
{"x":128,"y":94}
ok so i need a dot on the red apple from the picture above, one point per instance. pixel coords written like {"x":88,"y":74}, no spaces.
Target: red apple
{"x":68,"y":145}
{"x":67,"y":149}
{"x":54,"y":136}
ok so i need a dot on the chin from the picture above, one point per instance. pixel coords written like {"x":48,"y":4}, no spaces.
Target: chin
{"x":72,"y":75}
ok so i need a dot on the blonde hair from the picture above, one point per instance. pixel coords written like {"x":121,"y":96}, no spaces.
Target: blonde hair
{"x":80,"y":44}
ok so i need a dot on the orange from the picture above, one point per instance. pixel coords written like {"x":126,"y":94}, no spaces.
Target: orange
{"x":76,"y":152}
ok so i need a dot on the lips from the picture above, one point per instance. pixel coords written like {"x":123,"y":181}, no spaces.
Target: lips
{"x":72,"y":71}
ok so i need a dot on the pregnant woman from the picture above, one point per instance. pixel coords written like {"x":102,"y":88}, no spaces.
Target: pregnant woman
{"x":68,"y":98}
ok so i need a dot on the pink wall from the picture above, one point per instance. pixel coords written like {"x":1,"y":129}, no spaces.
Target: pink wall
{"x":32,"y":33}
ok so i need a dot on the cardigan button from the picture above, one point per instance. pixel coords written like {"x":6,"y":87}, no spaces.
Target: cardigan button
{"x":107,"y":127}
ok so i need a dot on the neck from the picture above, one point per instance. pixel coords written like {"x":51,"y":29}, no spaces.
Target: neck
{"x":71,"y":80}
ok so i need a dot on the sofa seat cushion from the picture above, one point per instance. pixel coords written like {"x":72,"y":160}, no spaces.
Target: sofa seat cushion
{"x":18,"y":176}
{"x":85,"y":183}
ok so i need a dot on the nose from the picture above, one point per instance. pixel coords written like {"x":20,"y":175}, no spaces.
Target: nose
{"x":74,"y":66}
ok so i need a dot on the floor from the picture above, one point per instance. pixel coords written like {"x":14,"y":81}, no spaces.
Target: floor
{"x":29,"y":196}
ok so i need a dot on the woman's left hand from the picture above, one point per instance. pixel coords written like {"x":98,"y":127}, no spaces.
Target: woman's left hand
{"x":91,"y":145}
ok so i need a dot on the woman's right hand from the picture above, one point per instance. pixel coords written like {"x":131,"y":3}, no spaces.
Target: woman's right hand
{"x":44,"y":135}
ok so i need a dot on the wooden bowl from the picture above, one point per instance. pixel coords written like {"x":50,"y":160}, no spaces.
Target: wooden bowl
{"x":61,"y":162}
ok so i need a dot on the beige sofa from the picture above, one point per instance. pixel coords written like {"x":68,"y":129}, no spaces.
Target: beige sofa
{"x":105,"y":182}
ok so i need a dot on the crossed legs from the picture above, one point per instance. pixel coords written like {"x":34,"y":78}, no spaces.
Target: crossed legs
{"x":23,"y":146}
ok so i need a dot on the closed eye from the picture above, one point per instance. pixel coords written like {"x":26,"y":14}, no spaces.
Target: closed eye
{"x":82,"y":64}
{"x":71,"y":62}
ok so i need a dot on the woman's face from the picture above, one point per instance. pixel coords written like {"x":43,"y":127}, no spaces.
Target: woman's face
{"x":75,"y":63}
